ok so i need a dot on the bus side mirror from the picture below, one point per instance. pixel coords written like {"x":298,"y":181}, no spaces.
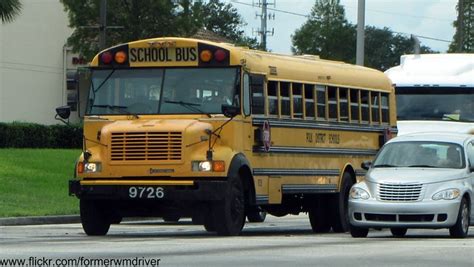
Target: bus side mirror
{"x":63,"y":113}
{"x":366,"y":165}
{"x":230,"y":111}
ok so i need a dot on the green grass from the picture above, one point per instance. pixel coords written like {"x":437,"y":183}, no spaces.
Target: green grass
{"x":34,"y":182}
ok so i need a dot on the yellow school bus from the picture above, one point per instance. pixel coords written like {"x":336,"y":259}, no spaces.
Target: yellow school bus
{"x":180,"y":127}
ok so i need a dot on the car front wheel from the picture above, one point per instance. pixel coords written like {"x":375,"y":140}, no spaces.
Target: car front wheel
{"x":460,"y":229}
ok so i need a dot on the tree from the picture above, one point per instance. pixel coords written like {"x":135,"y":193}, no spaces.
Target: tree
{"x":143,"y":19}
{"x":328,"y":34}
{"x":9,"y":9}
{"x":324,"y":31}
{"x":463,"y":39}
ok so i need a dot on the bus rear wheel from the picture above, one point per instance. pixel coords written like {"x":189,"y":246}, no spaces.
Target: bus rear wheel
{"x":340,"y":215}
{"x":229,"y":214}
{"x":319,"y":216}
{"x":94,"y":217}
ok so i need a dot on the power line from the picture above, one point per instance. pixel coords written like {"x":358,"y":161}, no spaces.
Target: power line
{"x":393,"y":13}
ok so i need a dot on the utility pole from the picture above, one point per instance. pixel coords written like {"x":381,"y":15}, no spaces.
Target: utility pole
{"x":264,"y":16}
{"x":360,"y":33}
{"x":102,"y":24}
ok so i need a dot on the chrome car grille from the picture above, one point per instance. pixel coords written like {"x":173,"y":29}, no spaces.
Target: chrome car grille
{"x":399,"y":192}
{"x":145,"y":146}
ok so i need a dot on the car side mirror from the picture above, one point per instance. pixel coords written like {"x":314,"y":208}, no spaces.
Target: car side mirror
{"x":230,"y":111}
{"x":366,"y":165}
{"x":63,"y":113}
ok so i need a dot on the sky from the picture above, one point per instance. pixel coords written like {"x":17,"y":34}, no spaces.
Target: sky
{"x":427,"y":18}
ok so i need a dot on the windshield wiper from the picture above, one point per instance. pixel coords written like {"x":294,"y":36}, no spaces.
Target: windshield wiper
{"x":117,"y":107}
{"x":188,"y":105}
{"x":384,"y":165}
{"x":421,"y":165}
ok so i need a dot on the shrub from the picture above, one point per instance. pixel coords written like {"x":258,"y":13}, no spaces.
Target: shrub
{"x":32,"y":135}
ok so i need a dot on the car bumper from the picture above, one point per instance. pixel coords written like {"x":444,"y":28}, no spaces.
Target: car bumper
{"x":422,"y":214}
{"x":195,"y":190}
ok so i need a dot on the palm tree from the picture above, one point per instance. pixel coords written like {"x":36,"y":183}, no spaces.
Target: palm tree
{"x":9,"y":9}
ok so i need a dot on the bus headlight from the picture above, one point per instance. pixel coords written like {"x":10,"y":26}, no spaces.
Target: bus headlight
{"x":358,"y":193}
{"x":447,"y":194}
{"x":92,"y":167}
{"x":207,"y":166}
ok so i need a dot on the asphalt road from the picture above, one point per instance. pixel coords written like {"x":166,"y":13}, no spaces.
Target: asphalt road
{"x":286,"y":241}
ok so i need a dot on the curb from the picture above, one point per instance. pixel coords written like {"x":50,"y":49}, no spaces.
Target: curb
{"x":36,"y":220}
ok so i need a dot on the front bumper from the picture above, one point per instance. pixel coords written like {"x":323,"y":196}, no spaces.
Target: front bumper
{"x":172,"y":190}
{"x":422,"y":214}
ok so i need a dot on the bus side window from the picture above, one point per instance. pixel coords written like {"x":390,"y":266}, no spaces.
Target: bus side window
{"x":385,"y":108}
{"x":256,"y":88}
{"x":343,"y":105}
{"x":374,"y":100}
{"x":272,"y":92}
{"x":332,"y":102}
{"x":309,"y":101}
{"x":354,"y":99}
{"x":364,"y":104}
{"x":297,"y":97}
{"x":321,"y":102}
{"x":285,"y":99}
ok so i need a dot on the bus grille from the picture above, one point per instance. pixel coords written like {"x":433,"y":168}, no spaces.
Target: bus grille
{"x":146,"y":146}
{"x":400,"y":192}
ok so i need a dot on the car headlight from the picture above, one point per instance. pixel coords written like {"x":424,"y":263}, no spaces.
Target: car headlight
{"x":358,"y":193}
{"x":447,"y":194}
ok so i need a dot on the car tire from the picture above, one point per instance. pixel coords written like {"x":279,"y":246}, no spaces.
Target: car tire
{"x":229,"y":214}
{"x":398,"y":232}
{"x":358,"y":232}
{"x":461,"y":228}
{"x":319,"y":217}
{"x":256,"y":215}
{"x":340,"y":215}
{"x":94,"y":217}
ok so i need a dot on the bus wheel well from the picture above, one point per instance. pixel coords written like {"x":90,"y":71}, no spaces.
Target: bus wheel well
{"x":351,"y":171}
{"x":249,"y":187}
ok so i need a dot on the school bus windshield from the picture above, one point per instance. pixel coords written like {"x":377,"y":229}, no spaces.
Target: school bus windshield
{"x":163,"y":91}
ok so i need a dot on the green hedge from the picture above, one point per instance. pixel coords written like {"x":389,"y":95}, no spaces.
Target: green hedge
{"x":32,"y":135}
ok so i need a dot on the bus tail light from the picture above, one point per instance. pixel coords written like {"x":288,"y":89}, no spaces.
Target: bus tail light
{"x":106,"y":57}
{"x":205,"y":56}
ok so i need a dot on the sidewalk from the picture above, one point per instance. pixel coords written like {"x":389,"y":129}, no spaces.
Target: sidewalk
{"x":39,"y":220}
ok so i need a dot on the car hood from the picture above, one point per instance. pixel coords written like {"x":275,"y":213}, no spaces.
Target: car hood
{"x":414,"y":175}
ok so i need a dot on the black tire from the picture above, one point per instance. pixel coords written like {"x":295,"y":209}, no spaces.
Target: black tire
{"x":229,"y":214}
{"x":340,"y":212}
{"x":461,"y":228}
{"x":319,"y":216}
{"x":171,"y":218}
{"x":358,"y":232}
{"x":94,"y":217}
{"x":256,"y":215}
{"x":398,"y":232}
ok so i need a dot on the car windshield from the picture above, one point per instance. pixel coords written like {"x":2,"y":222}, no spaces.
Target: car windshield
{"x":440,"y":103}
{"x":163,"y":91}
{"x":421,"y":154}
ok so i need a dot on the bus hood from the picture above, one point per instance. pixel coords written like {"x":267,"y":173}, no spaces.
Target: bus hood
{"x":407,"y":127}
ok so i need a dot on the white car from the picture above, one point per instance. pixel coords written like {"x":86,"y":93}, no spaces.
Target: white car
{"x":422,"y":180}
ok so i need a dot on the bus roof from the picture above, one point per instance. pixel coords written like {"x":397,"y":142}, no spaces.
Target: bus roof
{"x":434,"y":70}
{"x":306,"y":68}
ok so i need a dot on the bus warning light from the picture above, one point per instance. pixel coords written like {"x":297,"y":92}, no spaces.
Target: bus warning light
{"x":120,"y":57}
{"x":106,"y":57}
{"x":206,"y":56}
{"x":219,"y":55}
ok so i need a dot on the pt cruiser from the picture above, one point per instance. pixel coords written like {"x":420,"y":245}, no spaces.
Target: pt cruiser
{"x":422,"y":180}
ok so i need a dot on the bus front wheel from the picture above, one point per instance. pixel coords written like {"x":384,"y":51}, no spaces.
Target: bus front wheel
{"x":94,"y":217}
{"x":340,"y":212}
{"x":319,"y":216}
{"x":229,"y":214}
